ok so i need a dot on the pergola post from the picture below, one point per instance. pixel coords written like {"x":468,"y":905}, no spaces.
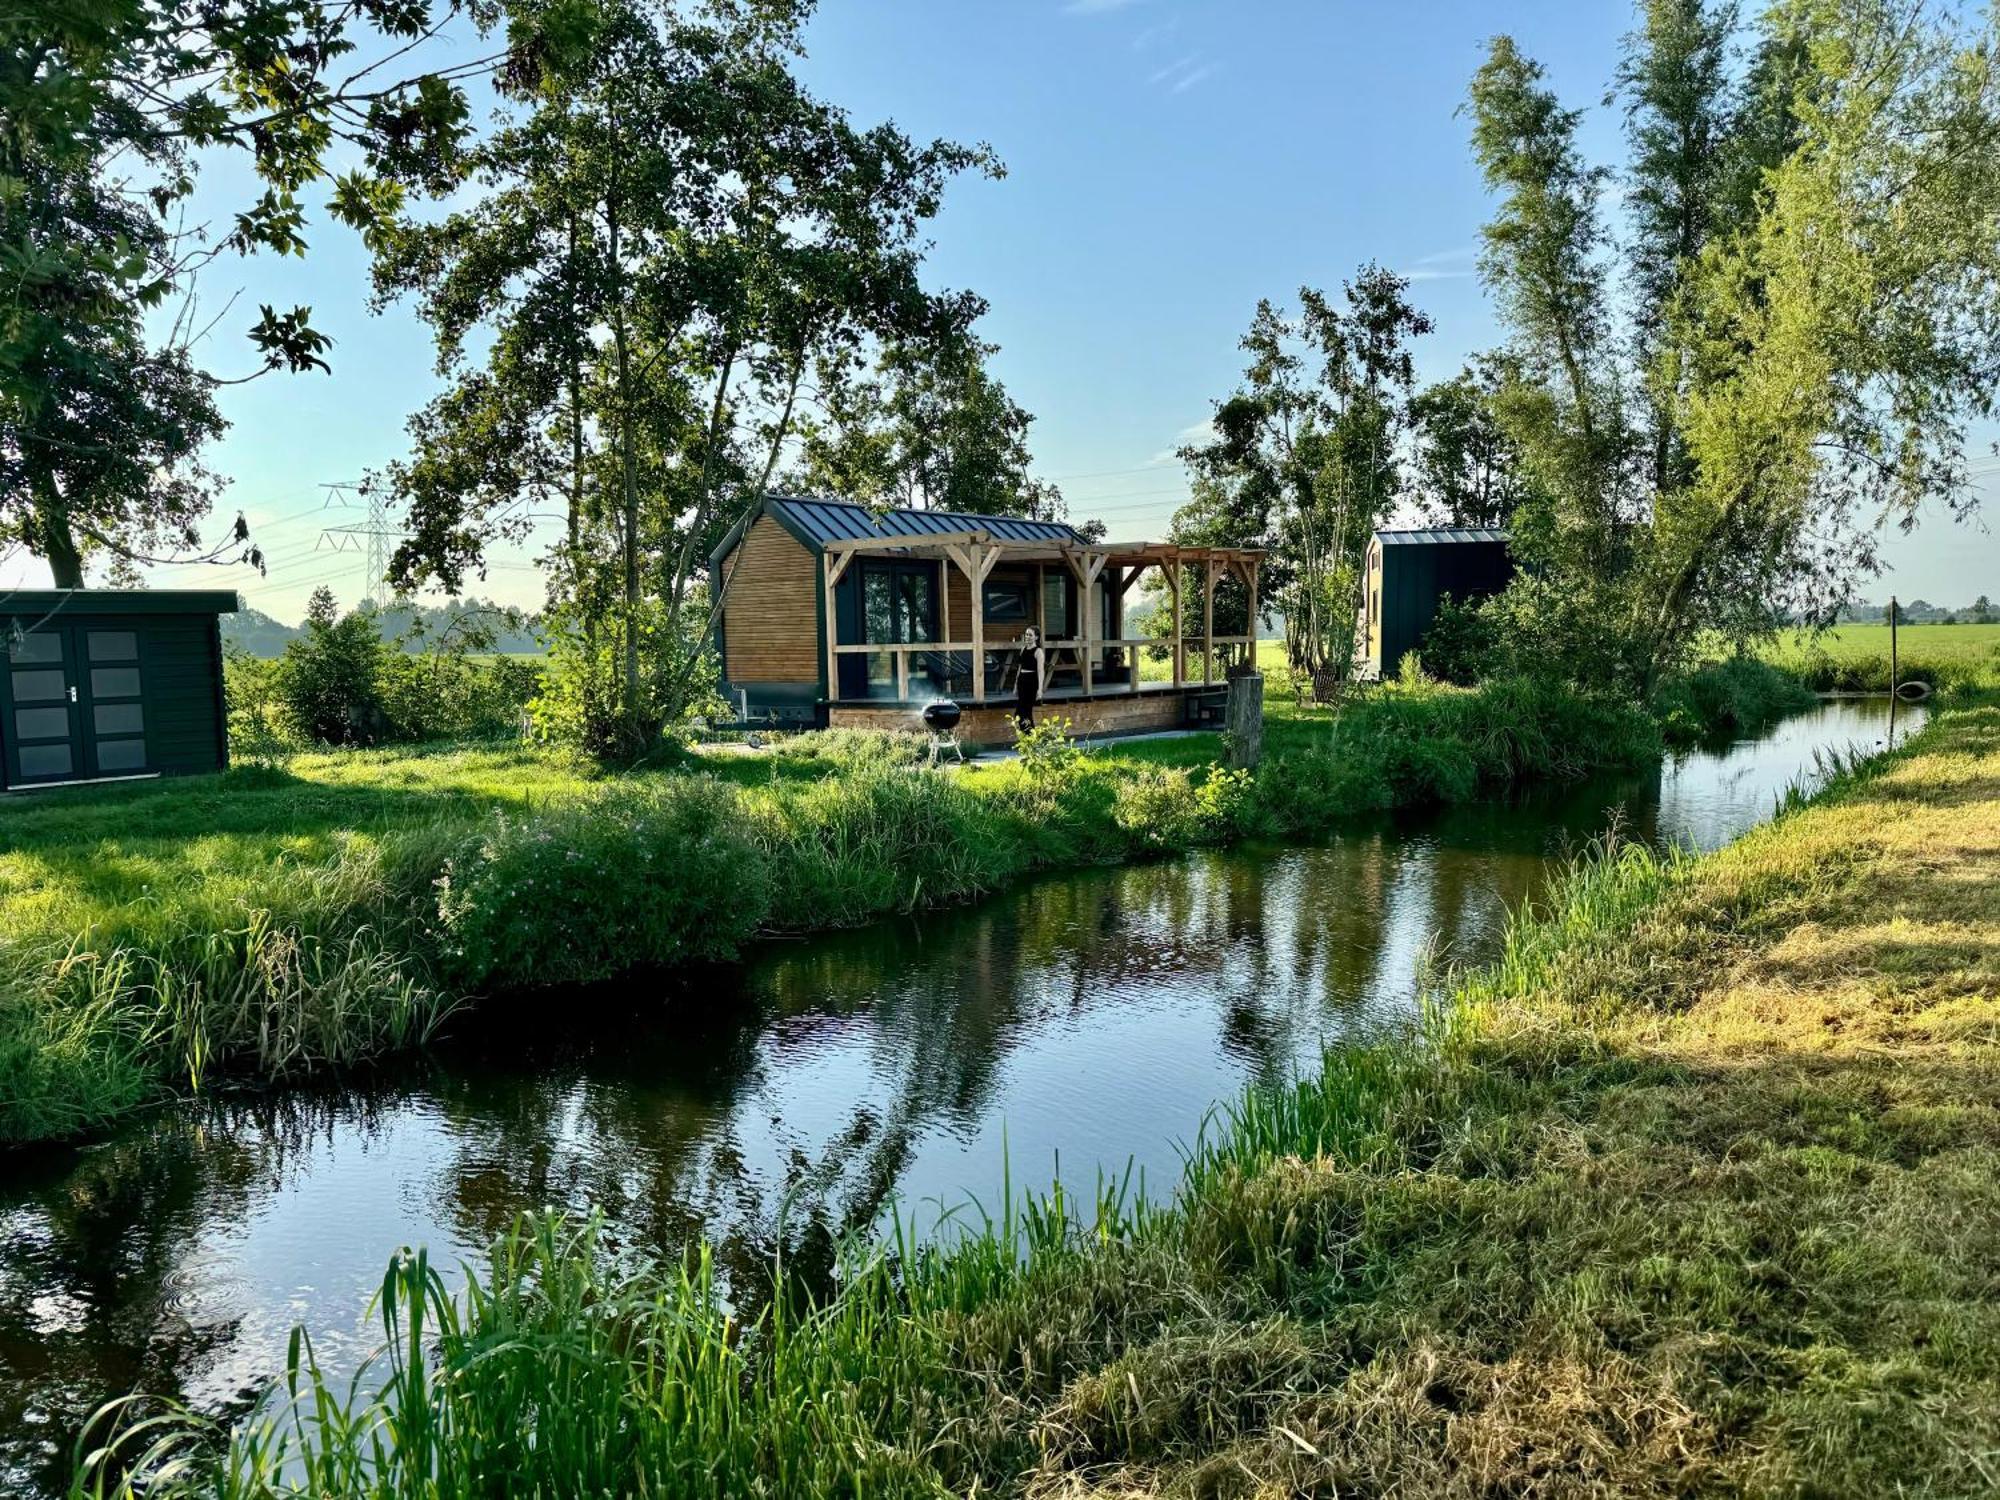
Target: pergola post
{"x":1174,"y":578}
{"x":833,"y":565}
{"x":975,"y":562}
{"x":1086,"y":566}
{"x":1250,"y":570}
{"x":1207,"y":621}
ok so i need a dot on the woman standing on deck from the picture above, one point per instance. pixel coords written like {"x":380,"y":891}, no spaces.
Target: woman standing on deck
{"x":1029,"y":678}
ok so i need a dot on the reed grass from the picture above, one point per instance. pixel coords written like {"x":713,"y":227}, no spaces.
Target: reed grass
{"x":1689,"y":1193}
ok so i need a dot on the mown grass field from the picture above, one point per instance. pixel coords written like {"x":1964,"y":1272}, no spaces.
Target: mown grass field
{"x":1855,"y":658}
{"x":1691,"y":1194}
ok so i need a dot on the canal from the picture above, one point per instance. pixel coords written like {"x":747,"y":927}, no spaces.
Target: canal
{"x":1092,"y":1020}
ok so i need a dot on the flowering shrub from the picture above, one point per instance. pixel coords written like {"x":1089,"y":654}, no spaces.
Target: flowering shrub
{"x":625,"y":875}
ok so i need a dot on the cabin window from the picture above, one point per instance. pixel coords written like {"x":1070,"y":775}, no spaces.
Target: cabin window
{"x":899,"y":604}
{"x":1006,"y":601}
{"x":1055,"y":607}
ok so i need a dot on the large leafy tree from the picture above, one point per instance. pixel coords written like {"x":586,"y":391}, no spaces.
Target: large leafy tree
{"x":1812,"y":285}
{"x":1464,"y":469}
{"x":926,"y":426}
{"x":108,"y":111}
{"x":662,"y":237}
{"x":1307,"y":456}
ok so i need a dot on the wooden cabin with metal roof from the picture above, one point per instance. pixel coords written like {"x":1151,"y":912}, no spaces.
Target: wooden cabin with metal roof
{"x":835,"y":614}
{"x":1409,"y":573}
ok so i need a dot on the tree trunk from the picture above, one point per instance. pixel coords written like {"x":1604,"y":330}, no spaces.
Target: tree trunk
{"x":58,"y":541}
{"x":635,"y":733}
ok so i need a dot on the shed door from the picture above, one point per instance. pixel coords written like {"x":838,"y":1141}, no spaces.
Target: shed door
{"x":115,"y":731}
{"x":40,"y":699}
{"x":73,"y":705}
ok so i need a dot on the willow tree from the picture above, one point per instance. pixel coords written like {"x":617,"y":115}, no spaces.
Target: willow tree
{"x":1807,"y":325}
{"x":644,"y":262}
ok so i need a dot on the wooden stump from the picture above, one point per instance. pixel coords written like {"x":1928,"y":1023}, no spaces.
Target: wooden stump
{"x":1243,"y":722}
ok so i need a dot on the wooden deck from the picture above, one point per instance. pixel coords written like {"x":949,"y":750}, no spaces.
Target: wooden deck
{"x":1120,"y":710}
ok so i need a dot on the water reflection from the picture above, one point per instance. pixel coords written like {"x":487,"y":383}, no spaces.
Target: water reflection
{"x":1099,"y":1016}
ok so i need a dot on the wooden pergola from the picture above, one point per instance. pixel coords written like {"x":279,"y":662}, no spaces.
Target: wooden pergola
{"x":976,"y":552}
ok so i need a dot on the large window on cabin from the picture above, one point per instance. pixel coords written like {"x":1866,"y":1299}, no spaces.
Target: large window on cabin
{"x":1055,"y":607}
{"x":899,"y":607}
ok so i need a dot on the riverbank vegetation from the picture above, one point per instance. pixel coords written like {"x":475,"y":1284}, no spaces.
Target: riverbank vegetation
{"x":339,"y":904}
{"x":1689,"y":1193}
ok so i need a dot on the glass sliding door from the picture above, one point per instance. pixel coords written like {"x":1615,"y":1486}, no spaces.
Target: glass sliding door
{"x":899,"y":607}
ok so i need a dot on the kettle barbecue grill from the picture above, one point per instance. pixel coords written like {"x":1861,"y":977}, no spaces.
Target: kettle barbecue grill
{"x":941,"y":719}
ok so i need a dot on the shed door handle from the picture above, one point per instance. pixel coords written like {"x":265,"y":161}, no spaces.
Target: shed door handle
{"x":72,"y":695}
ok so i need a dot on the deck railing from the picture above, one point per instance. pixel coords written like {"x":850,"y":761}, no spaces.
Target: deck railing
{"x":1082,"y":650}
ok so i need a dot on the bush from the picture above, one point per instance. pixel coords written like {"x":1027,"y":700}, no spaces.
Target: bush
{"x":879,"y":839}
{"x":258,"y":719}
{"x":1165,"y":808}
{"x":1462,"y":645}
{"x":447,"y":696}
{"x":330,"y":678}
{"x":1052,"y":759}
{"x":620,"y":876}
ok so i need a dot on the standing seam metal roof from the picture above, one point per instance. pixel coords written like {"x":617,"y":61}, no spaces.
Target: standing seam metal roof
{"x":1431,"y":536}
{"x":839,"y":521}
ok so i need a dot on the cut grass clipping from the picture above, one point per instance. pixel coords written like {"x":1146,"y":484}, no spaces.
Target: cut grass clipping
{"x":1692,"y":1192}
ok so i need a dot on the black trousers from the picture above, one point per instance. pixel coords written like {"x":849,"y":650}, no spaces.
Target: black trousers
{"x":1025,"y":692}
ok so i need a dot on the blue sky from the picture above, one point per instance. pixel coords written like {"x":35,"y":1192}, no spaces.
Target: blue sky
{"x":1169,"y":162}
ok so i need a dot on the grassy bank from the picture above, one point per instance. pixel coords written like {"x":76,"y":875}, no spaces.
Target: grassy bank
{"x":1691,"y":1193}
{"x":1728,"y":699}
{"x":1855,"y":658}
{"x":277,"y":919}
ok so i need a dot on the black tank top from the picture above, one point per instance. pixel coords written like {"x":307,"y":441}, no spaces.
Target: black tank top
{"x":1030,"y":679}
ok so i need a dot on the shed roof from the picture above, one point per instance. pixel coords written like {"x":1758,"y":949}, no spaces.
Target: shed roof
{"x":52,"y":602}
{"x":1436,"y":536}
{"x":824,"y":521}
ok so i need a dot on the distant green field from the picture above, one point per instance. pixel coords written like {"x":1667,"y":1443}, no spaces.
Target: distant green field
{"x":1855,"y":658}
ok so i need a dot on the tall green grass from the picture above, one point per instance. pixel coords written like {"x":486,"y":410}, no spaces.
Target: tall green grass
{"x":1738,"y":697}
{"x":261,"y":926}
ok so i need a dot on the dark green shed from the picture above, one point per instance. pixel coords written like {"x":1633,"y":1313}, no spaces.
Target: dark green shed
{"x":110,"y":684}
{"x":1410,"y":571}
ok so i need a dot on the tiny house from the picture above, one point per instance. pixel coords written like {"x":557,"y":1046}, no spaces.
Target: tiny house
{"x":1410,"y":572}
{"x":110,"y":684}
{"x":836,"y":614}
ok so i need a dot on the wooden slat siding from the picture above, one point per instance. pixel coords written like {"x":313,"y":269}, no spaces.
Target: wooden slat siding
{"x":769,"y":624}
{"x":177,"y":668}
